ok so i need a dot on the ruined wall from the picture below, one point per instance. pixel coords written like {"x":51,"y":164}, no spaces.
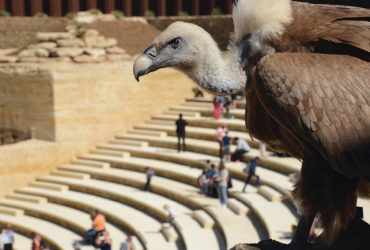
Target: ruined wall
{"x":76,"y":106}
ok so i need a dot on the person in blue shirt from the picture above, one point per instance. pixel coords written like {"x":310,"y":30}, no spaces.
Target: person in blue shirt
{"x":251,"y":170}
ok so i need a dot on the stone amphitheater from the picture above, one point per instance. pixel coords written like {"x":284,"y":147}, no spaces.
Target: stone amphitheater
{"x":58,"y":81}
{"x":111,"y":178}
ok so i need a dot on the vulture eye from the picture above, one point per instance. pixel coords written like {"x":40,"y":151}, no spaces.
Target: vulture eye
{"x":175,"y":43}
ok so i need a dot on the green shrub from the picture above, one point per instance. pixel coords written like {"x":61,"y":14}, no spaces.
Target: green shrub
{"x":70,"y":15}
{"x":80,"y":30}
{"x":40,"y":14}
{"x":118,"y":14}
{"x":95,"y":11}
{"x":217,"y":11}
{"x":4,"y":13}
{"x":149,"y":13}
{"x":183,"y":13}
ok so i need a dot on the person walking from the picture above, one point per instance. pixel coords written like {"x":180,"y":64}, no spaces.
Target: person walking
{"x":172,"y":214}
{"x":242,"y":147}
{"x":180,"y":131}
{"x":149,"y":174}
{"x":222,"y":184}
{"x":251,"y":170}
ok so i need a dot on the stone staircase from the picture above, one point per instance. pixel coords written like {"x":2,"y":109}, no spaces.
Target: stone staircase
{"x":111,"y":178}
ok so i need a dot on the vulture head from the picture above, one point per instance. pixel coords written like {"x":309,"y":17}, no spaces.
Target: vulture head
{"x":190,"y":49}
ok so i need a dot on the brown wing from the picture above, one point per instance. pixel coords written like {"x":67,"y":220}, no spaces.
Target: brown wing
{"x":327,"y":29}
{"x":323,"y":100}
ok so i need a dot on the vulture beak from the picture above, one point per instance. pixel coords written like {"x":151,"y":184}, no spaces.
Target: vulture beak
{"x":144,"y":63}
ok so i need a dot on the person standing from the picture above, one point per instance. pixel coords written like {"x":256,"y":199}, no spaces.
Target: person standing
{"x":226,"y":141}
{"x":10,"y":234}
{"x":241,"y":147}
{"x":222,"y":184}
{"x":220,"y":133}
{"x":262,"y":148}
{"x":149,"y":174}
{"x":217,"y":107}
{"x":180,"y":131}
{"x":4,"y":239}
{"x":252,"y":172}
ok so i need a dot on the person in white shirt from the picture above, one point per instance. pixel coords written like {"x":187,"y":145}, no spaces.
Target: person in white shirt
{"x":4,"y":239}
{"x":222,"y":184}
{"x":241,"y":148}
{"x":171,"y":213}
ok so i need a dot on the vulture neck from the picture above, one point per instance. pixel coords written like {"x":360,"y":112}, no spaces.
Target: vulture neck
{"x":216,"y":72}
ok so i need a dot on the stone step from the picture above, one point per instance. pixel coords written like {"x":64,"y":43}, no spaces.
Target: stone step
{"x":146,"y":132}
{"x":203,"y":218}
{"x":11,"y":211}
{"x":110,"y":153}
{"x":21,"y":242}
{"x":187,"y":113}
{"x":40,"y":184}
{"x":141,"y":144}
{"x":192,"y":234}
{"x":236,"y":206}
{"x":28,"y":198}
{"x":69,"y":174}
{"x":270,"y":193}
{"x":169,"y":232}
{"x":76,"y":220}
{"x":47,"y":230}
{"x":146,"y":228}
{"x":228,"y":221}
{"x":96,"y":164}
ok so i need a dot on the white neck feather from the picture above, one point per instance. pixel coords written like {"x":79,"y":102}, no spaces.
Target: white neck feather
{"x":264,"y":18}
{"x":218,"y":73}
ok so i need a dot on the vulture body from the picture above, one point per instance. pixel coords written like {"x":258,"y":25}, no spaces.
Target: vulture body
{"x":307,"y":91}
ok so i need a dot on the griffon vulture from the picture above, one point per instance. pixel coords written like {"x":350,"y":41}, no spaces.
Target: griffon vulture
{"x":306,"y":72}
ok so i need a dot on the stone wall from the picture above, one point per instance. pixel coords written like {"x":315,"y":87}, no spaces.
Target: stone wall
{"x":76,"y":106}
{"x":17,"y":32}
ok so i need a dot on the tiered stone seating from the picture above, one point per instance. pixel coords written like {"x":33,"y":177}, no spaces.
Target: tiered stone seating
{"x":111,"y":178}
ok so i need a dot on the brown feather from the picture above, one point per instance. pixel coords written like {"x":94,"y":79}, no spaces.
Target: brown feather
{"x":316,"y":25}
{"x":320,"y":114}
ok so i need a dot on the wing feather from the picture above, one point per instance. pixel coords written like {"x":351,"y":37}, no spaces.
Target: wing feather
{"x":328,"y":97}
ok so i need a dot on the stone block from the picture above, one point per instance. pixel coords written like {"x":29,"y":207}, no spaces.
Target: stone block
{"x":8,"y":59}
{"x":116,"y":50}
{"x":100,"y":42}
{"x":91,"y":33}
{"x":89,"y":59}
{"x":118,"y":57}
{"x":95,"y":52}
{"x":68,"y":52}
{"x":33,"y":59}
{"x":53,"y":36}
{"x":71,"y":43}
{"x":44,"y":45}
{"x":34,"y":53}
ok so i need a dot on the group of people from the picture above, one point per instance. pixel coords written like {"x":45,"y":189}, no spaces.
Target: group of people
{"x":6,"y":237}
{"x":99,"y":237}
{"x":214,"y":181}
{"x":227,"y":103}
{"x":225,"y":142}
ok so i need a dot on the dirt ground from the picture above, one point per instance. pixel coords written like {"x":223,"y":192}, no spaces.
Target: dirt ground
{"x":133,"y":36}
